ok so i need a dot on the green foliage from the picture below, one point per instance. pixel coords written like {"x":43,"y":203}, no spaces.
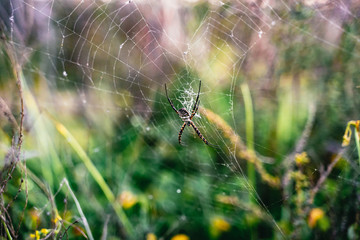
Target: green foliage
{"x":102,"y":159}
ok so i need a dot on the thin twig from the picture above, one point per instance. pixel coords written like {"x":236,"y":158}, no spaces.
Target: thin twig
{"x":301,"y":143}
{"x":105,"y":228}
{"x":67,"y":229}
{"x":19,"y":85}
{"x":324,"y":176}
{"x":83,"y":218}
{"x":6,"y":228}
{"x":26,"y":198}
{"x":16,"y":146}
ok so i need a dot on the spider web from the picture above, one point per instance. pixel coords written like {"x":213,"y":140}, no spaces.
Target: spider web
{"x":112,"y":58}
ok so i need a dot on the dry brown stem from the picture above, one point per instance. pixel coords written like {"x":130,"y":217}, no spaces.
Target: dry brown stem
{"x":239,"y":147}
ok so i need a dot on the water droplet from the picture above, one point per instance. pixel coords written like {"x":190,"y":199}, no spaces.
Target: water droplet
{"x":64,"y":73}
{"x":273,"y":23}
{"x":147,"y":128}
{"x":178,"y":190}
{"x":260,"y":34}
{"x":84,"y":101}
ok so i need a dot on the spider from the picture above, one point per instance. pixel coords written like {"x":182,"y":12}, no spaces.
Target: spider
{"x":187,"y":118}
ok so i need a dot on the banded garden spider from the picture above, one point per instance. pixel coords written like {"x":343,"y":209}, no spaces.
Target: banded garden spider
{"x":187,"y":118}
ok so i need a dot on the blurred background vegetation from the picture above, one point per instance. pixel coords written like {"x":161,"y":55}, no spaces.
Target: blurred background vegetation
{"x":88,"y":141}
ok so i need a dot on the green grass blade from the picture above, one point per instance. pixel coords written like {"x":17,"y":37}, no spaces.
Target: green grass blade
{"x":357,"y":141}
{"x":78,"y":206}
{"x":249,"y":124}
{"x":96,"y":175}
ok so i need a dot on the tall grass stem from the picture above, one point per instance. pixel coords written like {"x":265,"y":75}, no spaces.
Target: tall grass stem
{"x":96,"y":175}
{"x":357,"y":141}
{"x":249,"y":126}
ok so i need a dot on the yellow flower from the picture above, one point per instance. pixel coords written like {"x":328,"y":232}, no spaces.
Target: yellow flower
{"x":180,"y":237}
{"x":127,"y":199}
{"x":301,"y":159}
{"x":57,"y":218}
{"x":348,"y":132}
{"x":37,"y":235}
{"x":220,"y":224}
{"x":315,"y":215}
{"x":44,"y":231}
{"x":151,"y":236}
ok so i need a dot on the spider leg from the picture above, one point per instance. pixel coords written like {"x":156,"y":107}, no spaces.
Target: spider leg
{"x":196,"y":102}
{"x":193,"y":114}
{"x":172,"y":105}
{"x":181,"y":131}
{"x":200,"y":135}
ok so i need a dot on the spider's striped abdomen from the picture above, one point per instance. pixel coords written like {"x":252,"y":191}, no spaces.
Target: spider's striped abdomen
{"x":184,"y":115}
